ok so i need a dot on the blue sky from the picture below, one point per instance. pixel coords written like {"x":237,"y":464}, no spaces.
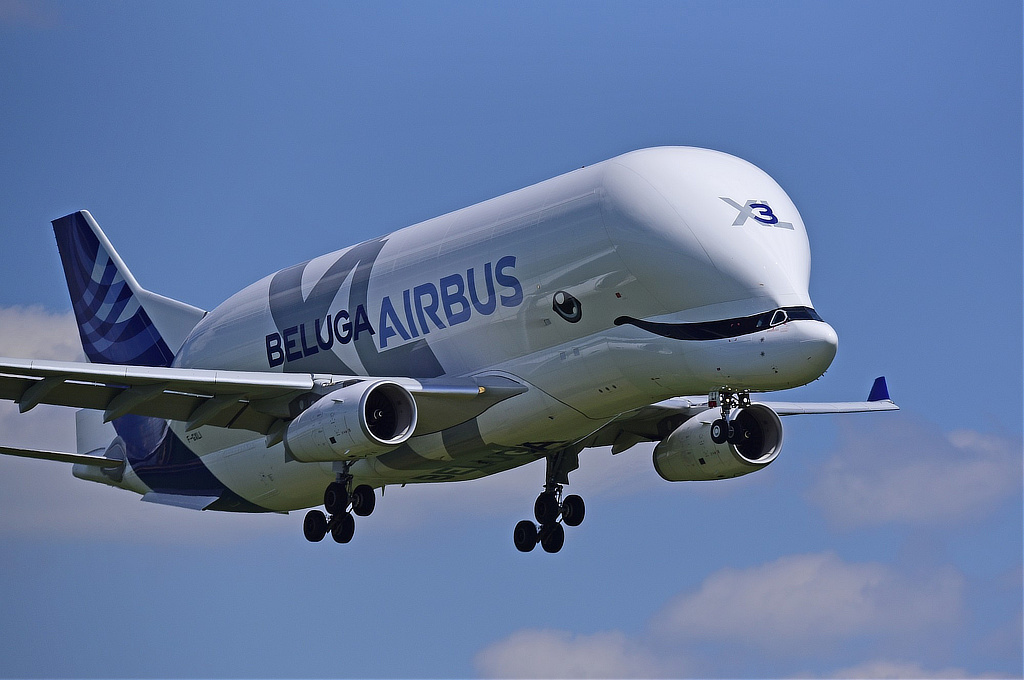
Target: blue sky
{"x":218,"y":142}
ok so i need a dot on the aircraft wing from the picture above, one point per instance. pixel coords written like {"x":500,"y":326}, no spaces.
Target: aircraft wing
{"x":878,"y":400}
{"x":657,"y":421}
{"x":248,"y":400}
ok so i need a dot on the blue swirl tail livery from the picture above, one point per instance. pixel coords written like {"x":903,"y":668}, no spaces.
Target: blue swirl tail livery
{"x":119,"y":321}
{"x":540,"y":324}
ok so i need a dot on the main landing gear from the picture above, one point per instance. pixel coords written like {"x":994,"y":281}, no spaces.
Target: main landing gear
{"x":341,"y":504}
{"x":550,"y":505}
{"x":723,"y":430}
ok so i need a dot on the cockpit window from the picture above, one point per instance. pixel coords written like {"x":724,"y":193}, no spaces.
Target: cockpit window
{"x":725,"y":328}
{"x":801,"y":314}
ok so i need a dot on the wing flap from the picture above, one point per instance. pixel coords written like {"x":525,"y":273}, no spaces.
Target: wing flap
{"x":67,"y":393}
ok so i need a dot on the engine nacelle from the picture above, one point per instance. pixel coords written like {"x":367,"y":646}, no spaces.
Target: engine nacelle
{"x":689,"y":454}
{"x":353,"y":422}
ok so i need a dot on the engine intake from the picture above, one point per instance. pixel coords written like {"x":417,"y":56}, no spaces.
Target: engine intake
{"x":353,"y":422}
{"x":689,"y":453}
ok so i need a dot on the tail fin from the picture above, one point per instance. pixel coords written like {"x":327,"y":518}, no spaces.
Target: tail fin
{"x":120,"y":323}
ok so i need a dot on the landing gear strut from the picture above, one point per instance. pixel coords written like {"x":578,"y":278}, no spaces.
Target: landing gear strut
{"x":340,"y":501}
{"x":550,"y":505}
{"x":723,"y":430}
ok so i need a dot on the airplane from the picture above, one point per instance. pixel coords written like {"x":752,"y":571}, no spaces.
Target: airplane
{"x":567,"y":315}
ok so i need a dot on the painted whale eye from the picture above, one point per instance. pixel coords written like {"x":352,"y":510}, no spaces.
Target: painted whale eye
{"x":567,"y":307}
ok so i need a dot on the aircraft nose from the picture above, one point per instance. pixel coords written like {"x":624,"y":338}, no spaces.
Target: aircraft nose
{"x":818,"y":345}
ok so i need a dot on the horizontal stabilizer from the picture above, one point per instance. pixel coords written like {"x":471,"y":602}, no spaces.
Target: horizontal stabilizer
{"x":76,"y":458}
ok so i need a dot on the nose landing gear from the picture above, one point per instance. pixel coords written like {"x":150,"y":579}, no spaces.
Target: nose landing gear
{"x":550,"y":506}
{"x":723,"y":430}
{"x":340,"y":501}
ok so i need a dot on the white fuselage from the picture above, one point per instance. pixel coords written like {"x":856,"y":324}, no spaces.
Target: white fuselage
{"x":665,"y":235}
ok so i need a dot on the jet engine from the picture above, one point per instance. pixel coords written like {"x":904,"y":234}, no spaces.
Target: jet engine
{"x":690,"y":454}
{"x":353,"y":422}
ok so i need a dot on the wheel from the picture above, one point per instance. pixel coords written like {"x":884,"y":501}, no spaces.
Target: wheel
{"x":573,"y":510}
{"x":344,"y":529}
{"x":336,"y":498}
{"x":719,"y":431}
{"x":314,"y":526}
{"x":363,"y":500}
{"x":546,"y":508}
{"x":552,"y":536}
{"x":525,"y":536}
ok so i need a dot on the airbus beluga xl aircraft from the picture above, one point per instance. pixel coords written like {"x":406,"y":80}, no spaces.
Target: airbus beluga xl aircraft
{"x":567,"y":315}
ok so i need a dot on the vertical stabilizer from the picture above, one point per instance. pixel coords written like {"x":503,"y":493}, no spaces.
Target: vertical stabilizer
{"x":119,"y":321}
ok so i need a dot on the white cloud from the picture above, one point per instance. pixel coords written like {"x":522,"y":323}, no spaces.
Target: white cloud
{"x":793,"y":609}
{"x":800,"y":600}
{"x":558,"y":654}
{"x":34,"y":333}
{"x":901,"y":471}
{"x":898,"y":669}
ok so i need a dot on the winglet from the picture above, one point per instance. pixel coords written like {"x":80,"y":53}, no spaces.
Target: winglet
{"x":879,"y":391}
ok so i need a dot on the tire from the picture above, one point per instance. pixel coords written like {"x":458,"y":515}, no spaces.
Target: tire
{"x":573,"y":510}
{"x":552,"y":537}
{"x":314,"y":526}
{"x":363,"y":500}
{"x":719,"y":431}
{"x":546,"y":508}
{"x":336,"y":498}
{"x":525,"y":536}
{"x":344,"y":529}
